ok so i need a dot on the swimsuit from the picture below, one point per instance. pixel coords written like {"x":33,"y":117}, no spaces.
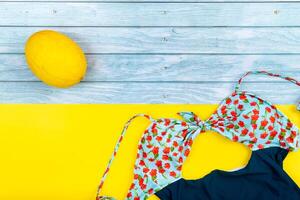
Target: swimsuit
{"x":242,"y":117}
{"x":262,"y":179}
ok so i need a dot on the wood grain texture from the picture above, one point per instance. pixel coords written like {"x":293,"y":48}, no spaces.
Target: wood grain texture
{"x":156,"y":52}
{"x":189,"y":93}
{"x":148,"y":14}
{"x":165,"y":68}
{"x":156,"y":40}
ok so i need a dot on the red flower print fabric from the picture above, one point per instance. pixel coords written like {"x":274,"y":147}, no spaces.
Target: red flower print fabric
{"x":242,"y":117}
{"x":254,"y":122}
{"x":161,"y":153}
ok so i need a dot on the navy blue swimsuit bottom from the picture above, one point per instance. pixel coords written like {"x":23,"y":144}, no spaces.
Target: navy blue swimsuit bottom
{"x":262,"y":179}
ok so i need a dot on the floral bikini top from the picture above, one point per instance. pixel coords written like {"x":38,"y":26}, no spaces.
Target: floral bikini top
{"x":242,"y":117}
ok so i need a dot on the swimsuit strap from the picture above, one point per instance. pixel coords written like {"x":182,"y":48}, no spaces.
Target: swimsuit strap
{"x":238,"y":85}
{"x":117,"y":147}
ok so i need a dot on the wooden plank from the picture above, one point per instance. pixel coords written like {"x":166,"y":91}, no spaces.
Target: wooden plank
{"x":148,"y":14}
{"x":164,"y":68}
{"x":166,"y":39}
{"x":129,"y":92}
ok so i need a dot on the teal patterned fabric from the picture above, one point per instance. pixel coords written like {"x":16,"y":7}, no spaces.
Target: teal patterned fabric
{"x":242,"y":117}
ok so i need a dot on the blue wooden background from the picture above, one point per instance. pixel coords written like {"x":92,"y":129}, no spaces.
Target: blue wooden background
{"x":156,"y":51}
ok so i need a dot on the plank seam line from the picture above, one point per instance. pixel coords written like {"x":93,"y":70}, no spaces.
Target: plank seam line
{"x":138,"y":27}
{"x":161,"y":54}
{"x":155,"y":82}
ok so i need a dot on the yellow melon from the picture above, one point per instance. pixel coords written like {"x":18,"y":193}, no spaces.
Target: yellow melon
{"x":55,"y":58}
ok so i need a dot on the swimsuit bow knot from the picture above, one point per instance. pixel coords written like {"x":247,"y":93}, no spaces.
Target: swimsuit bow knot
{"x":194,"y":121}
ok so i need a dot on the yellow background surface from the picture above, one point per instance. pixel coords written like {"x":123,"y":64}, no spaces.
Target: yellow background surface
{"x":60,"y":151}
